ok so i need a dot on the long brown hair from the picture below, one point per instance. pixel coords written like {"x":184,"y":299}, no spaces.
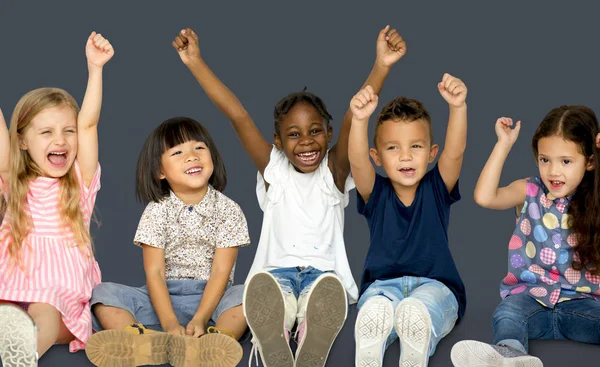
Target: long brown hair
{"x":16,"y":220}
{"x":579,"y":125}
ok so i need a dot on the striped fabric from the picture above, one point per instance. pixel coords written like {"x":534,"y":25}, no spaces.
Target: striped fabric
{"x":55,"y":271}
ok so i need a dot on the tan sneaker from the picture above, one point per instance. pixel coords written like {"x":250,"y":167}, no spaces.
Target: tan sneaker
{"x":217,"y":348}
{"x":132,"y":346}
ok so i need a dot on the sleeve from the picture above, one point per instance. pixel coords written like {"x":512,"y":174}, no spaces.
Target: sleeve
{"x":90,"y":192}
{"x":440,"y":189}
{"x":233,"y":230}
{"x":152,"y":229}
{"x":275,"y":174}
{"x":367,"y":209}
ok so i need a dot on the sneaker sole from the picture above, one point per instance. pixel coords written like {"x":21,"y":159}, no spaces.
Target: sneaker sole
{"x":118,"y":348}
{"x":18,"y":340}
{"x":374,"y":324}
{"x":326,"y":311}
{"x":413,"y":326}
{"x":264,"y":309}
{"x":469,"y":353}
{"x":210,"y":350}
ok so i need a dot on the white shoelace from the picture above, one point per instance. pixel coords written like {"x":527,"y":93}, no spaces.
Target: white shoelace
{"x":253,"y":352}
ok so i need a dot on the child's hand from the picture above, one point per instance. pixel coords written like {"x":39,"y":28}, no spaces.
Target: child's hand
{"x":453,"y":90}
{"x":186,"y":44}
{"x":195,"y":328}
{"x":390,"y":47}
{"x":363,"y":104}
{"x":506,"y":134}
{"x":98,"y":50}
{"x":174,"y":329}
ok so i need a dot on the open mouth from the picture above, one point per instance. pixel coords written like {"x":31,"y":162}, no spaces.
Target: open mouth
{"x":407,"y":171}
{"x":58,"y":159}
{"x":556,"y":184}
{"x":309,"y":158}
{"x":194,"y":171}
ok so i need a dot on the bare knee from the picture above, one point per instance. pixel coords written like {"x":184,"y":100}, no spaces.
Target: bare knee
{"x":112,"y":317}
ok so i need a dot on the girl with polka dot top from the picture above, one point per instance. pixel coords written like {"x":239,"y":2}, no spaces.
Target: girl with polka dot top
{"x":551,"y":289}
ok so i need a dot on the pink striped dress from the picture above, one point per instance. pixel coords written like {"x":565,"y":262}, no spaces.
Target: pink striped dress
{"x":56,"y":271}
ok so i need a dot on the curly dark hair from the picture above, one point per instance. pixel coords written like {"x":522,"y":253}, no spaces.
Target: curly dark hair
{"x":286,"y":103}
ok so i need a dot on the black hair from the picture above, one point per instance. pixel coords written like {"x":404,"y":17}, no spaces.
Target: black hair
{"x":285,"y":105}
{"x":172,"y":132}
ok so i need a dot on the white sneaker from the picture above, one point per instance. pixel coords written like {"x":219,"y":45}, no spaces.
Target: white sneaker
{"x":18,"y":337}
{"x":326,"y":311}
{"x":413,"y":326}
{"x":470,"y":353}
{"x":373,"y":326}
{"x":264,"y":309}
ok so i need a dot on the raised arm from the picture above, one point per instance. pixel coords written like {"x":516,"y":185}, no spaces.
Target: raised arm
{"x":4,"y":149}
{"x":487,"y":193}
{"x":98,"y":51}
{"x":390,"y":48}
{"x":259,"y":150}
{"x":454,"y":91}
{"x":362,"y":106}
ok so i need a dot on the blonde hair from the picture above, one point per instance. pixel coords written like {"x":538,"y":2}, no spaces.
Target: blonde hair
{"x":23,"y":170}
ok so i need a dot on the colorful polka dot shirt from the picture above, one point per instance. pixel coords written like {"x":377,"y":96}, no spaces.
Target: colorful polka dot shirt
{"x":540,"y":252}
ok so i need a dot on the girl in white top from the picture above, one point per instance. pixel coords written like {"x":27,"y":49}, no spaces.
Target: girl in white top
{"x":301,"y":270}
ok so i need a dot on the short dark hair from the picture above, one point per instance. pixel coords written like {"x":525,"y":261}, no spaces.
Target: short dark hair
{"x":286,"y":103}
{"x":172,"y":132}
{"x":403,"y":109}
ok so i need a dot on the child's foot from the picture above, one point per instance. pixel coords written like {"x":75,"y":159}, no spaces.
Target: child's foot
{"x":18,"y":343}
{"x":264,"y":309}
{"x":217,"y":348}
{"x":413,"y":326}
{"x":133,"y":346}
{"x":326,"y":310}
{"x":374,"y":324}
{"x":470,"y":353}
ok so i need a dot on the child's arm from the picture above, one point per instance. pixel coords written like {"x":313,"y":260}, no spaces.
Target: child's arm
{"x":390,"y":48}
{"x":98,"y":51}
{"x":215,"y":288}
{"x":259,"y":150}
{"x":487,"y":194}
{"x":363,"y":104}
{"x":154,"y":266}
{"x":454,"y":91}
{"x":4,"y":149}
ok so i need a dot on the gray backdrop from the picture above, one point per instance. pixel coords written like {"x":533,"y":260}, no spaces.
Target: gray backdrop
{"x":518,"y":59}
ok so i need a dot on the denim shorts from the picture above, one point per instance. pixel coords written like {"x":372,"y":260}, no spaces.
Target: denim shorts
{"x":185,"y":298}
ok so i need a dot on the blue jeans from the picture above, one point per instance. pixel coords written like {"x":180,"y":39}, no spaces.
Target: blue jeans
{"x":295,"y":283}
{"x":185,"y":298}
{"x":437,"y":298}
{"x":520,"y":317}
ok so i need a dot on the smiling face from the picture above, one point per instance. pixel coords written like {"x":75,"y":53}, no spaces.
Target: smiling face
{"x":562,"y":165}
{"x":303,"y":137}
{"x":187,"y":167}
{"x":404,"y":150}
{"x":51,"y":140}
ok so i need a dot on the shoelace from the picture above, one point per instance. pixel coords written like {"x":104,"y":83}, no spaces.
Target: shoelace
{"x":253,"y":352}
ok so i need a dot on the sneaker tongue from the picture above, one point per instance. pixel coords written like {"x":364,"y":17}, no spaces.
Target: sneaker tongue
{"x":57,"y":159}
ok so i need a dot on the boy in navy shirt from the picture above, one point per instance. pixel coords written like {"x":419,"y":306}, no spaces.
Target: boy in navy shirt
{"x":410,"y":287}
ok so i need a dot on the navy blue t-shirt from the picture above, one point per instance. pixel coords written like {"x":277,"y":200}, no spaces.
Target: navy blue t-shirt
{"x":413,"y":240}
